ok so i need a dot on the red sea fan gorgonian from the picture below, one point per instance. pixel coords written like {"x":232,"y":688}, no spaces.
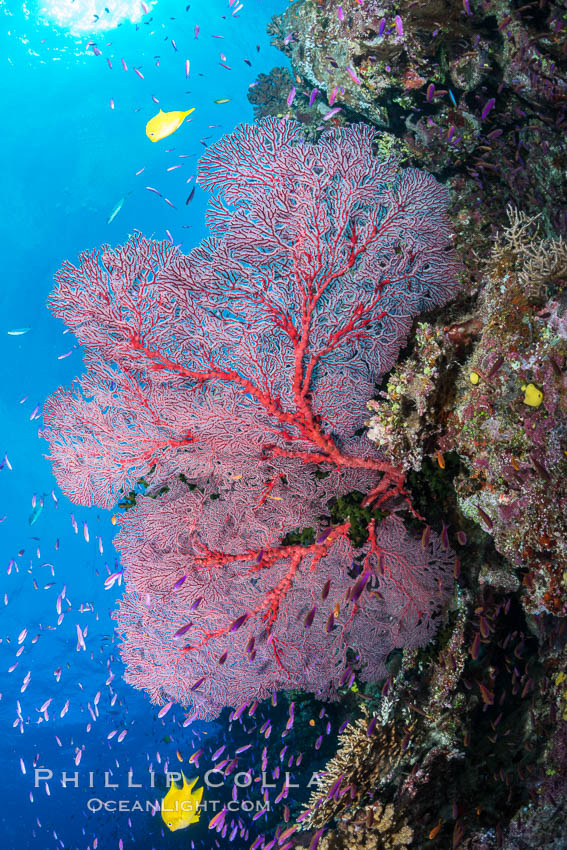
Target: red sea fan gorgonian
{"x":269,"y":337}
{"x":251,"y":360}
{"x":210,"y":626}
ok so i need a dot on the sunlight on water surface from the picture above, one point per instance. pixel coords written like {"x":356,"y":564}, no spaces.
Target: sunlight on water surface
{"x":81,"y":16}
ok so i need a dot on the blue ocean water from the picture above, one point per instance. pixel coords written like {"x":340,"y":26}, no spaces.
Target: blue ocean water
{"x":68,"y":158}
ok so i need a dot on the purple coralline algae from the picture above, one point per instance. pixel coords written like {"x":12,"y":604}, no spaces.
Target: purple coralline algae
{"x":508,"y":420}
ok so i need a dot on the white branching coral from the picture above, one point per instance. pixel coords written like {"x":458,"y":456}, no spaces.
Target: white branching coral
{"x":352,"y":776}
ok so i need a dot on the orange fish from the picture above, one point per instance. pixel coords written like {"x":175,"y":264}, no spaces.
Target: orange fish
{"x":435,"y":831}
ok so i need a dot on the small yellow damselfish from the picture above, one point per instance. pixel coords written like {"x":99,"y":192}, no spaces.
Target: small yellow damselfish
{"x":180,"y":806}
{"x":165,"y":123}
{"x":532,"y":395}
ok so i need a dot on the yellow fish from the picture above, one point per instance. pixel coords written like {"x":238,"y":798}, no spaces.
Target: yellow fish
{"x":179,"y":807}
{"x":532,"y":395}
{"x":165,"y":123}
